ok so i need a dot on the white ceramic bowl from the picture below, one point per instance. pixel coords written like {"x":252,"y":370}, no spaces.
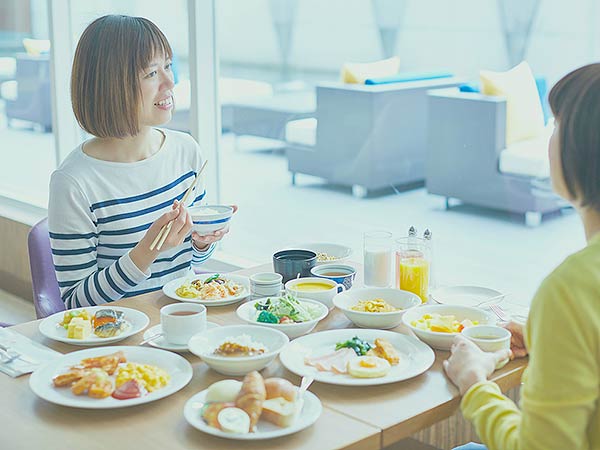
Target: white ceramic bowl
{"x":210,"y":218}
{"x":439,"y":340}
{"x":398,"y":299}
{"x":203,"y":344}
{"x":248,"y":313}
{"x":338,"y":252}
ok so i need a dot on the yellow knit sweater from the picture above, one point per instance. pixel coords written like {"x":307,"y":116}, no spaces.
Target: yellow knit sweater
{"x":559,"y":398}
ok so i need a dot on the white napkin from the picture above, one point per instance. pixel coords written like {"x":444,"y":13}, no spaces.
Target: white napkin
{"x":20,"y":355}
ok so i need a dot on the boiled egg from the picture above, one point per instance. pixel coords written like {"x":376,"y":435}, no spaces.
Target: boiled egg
{"x":234,"y":420}
{"x":368,"y":367}
{"x":223,"y":391}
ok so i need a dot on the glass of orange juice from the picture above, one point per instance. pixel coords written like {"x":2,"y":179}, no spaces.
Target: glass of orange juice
{"x":413,"y":262}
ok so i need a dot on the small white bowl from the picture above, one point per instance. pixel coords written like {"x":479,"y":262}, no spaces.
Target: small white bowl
{"x":489,"y":338}
{"x":203,"y":344}
{"x":210,"y":218}
{"x":439,"y":340}
{"x":337,"y":252}
{"x":247,"y":312}
{"x":403,"y":300}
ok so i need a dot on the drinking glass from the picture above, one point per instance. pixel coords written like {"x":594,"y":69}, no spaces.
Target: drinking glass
{"x":413,"y":263}
{"x":378,"y":258}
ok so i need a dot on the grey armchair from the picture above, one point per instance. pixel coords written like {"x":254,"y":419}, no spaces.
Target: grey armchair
{"x":367,"y":136}
{"x":466,"y":137}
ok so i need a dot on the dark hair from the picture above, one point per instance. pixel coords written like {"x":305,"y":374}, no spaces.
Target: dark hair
{"x":105,"y":81}
{"x":575,"y":102}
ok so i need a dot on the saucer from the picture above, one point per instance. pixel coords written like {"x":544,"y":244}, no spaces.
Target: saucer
{"x":161,"y":342}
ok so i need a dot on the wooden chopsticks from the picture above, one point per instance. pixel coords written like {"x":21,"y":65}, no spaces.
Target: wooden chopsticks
{"x":160,"y":238}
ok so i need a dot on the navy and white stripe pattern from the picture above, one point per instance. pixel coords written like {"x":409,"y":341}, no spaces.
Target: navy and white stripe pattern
{"x":99,"y":211}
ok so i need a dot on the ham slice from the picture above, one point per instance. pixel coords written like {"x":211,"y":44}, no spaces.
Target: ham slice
{"x":335,"y":362}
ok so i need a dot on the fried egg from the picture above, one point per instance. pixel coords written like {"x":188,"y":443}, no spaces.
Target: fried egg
{"x":368,"y":367}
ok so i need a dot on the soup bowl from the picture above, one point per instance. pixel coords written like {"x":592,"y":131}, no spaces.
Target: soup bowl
{"x":314,"y":288}
{"x":340,"y":273}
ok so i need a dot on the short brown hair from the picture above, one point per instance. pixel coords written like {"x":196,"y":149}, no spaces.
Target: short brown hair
{"x":575,"y":102}
{"x":105,"y":81}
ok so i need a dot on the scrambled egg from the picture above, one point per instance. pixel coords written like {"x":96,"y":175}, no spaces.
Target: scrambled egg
{"x":375,"y":305}
{"x":150,"y":377}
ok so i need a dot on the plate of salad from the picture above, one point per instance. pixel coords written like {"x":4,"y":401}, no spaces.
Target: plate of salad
{"x":291,"y":315}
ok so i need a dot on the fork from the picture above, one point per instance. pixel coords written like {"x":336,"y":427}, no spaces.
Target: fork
{"x":500,"y":313}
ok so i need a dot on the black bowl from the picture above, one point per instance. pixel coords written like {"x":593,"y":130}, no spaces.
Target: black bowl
{"x":290,"y":263}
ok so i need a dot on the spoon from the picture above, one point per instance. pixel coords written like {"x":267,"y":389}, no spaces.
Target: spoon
{"x":151,"y":338}
{"x":304,"y":384}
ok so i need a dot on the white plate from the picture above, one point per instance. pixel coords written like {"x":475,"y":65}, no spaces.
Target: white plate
{"x":415,"y":356}
{"x":41,"y":380}
{"x":170,"y":288}
{"x":137,"y":322}
{"x":311,"y":410}
{"x":467,"y":295}
{"x":161,"y":342}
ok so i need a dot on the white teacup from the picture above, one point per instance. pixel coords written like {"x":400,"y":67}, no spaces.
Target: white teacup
{"x":489,"y":338}
{"x":320,"y":289}
{"x":180,"y":321}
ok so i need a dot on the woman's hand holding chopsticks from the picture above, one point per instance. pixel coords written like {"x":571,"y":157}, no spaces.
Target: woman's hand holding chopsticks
{"x":141,"y":254}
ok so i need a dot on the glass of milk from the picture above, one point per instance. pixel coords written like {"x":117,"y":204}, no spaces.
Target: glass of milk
{"x":378,"y":258}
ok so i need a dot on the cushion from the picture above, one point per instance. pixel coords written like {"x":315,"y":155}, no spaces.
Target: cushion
{"x":406,"y":77}
{"x":358,"y":72}
{"x":302,"y":131}
{"x":528,"y":157}
{"x":524,"y":115}
{"x":35,"y":47}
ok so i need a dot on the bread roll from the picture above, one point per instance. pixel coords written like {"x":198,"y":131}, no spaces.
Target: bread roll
{"x":279,"y":387}
{"x":281,"y":412}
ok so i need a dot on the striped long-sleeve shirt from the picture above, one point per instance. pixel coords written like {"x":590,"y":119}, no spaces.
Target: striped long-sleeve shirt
{"x":99,"y":210}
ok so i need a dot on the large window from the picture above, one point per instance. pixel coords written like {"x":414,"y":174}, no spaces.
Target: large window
{"x":275,"y":53}
{"x":27,"y":144}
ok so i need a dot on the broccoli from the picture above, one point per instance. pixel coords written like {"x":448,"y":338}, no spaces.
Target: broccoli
{"x":267,"y":317}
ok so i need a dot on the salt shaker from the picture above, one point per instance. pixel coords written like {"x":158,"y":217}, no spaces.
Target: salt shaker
{"x":427,"y":235}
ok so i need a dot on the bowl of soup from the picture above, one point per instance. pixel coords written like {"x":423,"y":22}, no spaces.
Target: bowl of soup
{"x":340,"y":273}
{"x":320,"y":289}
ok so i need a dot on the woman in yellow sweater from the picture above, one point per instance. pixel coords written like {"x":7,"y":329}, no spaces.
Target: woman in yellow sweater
{"x":559,"y":406}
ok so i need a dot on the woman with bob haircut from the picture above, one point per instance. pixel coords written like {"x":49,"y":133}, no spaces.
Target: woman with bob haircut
{"x":559,"y":406}
{"x":112,"y":195}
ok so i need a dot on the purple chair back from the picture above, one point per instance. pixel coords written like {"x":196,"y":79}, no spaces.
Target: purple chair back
{"x":46,"y":294}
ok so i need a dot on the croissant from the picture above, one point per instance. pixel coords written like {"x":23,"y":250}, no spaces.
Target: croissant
{"x":252,"y":396}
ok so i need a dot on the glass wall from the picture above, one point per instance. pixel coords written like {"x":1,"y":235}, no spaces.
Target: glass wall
{"x":27,"y":146}
{"x":278,"y":56}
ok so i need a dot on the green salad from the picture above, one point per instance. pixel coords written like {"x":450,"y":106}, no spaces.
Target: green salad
{"x":286,"y":309}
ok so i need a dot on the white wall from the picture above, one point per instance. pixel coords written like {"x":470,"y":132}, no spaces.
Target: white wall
{"x":462,"y":36}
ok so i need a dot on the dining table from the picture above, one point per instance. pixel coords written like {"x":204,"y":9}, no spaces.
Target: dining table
{"x":353,"y":417}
